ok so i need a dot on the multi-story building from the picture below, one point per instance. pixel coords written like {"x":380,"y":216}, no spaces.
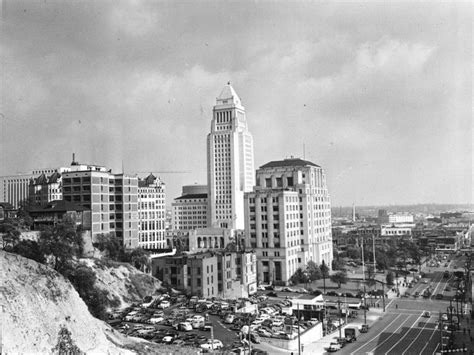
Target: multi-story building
{"x":45,"y":189}
{"x":210,"y":274}
{"x":15,"y":189}
{"x":151,"y":213}
{"x":393,"y":218}
{"x":288,"y":219}
{"x":112,"y":199}
{"x":189,"y":211}
{"x":229,"y":161}
{"x":396,"y":229}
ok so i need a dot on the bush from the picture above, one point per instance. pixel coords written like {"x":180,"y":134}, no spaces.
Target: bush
{"x":29,"y":249}
{"x":83,"y":280}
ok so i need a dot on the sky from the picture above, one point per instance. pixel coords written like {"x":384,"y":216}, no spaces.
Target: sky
{"x":377,"y":93}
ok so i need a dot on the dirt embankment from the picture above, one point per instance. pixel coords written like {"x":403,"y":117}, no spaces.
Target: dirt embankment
{"x":42,"y":313}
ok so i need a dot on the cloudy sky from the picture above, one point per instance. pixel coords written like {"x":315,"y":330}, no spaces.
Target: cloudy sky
{"x":379,"y":94}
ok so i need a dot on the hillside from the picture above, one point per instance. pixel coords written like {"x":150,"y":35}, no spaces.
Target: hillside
{"x":38,"y":302}
{"x":124,"y":283}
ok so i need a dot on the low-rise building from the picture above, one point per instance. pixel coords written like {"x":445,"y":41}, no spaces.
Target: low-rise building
{"x":209,"y":274}
{"x":58,"y":211}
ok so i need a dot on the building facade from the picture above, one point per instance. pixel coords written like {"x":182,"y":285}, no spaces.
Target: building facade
{"x":15,"y":189}
{"x":210,"y":274}
{"x":45,"y":189}
{"x":112,"y":199}
{"x":189,"y":211}
{"x":230,"y":167}
{"x":151,"y":213}
{"x":288,"y":219}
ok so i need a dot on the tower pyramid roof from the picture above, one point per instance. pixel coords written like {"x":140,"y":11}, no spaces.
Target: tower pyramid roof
{"x":228,"y":93}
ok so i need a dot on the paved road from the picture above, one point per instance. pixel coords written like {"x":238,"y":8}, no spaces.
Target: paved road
{"x":403,"y":330}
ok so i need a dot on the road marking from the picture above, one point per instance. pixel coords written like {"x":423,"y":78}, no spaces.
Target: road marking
{"x":421,"y":330}
{"x":391,"y":335}
{"x":434,"y":332}
{"x":375,"y":337}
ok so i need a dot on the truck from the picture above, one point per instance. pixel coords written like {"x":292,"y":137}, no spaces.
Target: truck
{"x":350,"y":333}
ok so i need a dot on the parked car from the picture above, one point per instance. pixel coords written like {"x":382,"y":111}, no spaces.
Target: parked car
{"x":439,"y":296}
{"x":333,"y":347}
{"x":364,"y":328}
{"x":212,"y":345}
{"x":272,"y":294}
{"x":426,"y":314}
{"x":164,"y":304}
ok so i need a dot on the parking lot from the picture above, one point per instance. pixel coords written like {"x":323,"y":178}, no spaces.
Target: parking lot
{"x":193,"y":322}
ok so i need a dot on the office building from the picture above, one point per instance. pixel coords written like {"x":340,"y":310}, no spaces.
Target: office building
{"x":189,"y":211}
{"x":151,"y":213}
{"x":288,"y":219}
{"x":112,"y":199}
{"x":230,"y":168}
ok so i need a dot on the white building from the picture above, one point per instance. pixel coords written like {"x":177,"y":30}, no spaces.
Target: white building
{"x":151,"y":213}
{"x":400,"y":218}
{"x":288,"y":219}
{"x":15,"y":189}
{"x":230,"y":168}
{"x":398,"y":229}
{"x":189,"y":211}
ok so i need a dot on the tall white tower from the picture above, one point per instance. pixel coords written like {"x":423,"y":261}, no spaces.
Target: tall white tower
{"x":230,"y":170}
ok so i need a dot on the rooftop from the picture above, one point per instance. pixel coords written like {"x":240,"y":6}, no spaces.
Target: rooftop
{"x":191,"y":196}
{"x":59,"y":206}
{"x":228,"y":93}
{"x":288,"y":162}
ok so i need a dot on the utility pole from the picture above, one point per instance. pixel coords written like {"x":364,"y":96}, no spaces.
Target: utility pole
{"x":212,"y":338}
{"x":339,"y":320}
{"x":375,"y":267}
{"x":299,"y":340}
{"x":363,"y":278}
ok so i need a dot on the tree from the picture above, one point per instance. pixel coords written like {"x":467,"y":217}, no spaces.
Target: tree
{"x":83,"y":279}
{"x":353,"y":252}
{"x":337,"y":264}
{"x":390,"y":278}
{"x":313,"y":271}
{"x":29,"y":249}
{"x":61,"y":243}
{"x":299,"y":277}
{"x":370,"y":275}
{"x":65,"y":344}
{"x":140,"y":259}
{"x":11,"y":236}
{"x":324,"y":273}
{"x":112,"y":247}
{"x":339,"y":277}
